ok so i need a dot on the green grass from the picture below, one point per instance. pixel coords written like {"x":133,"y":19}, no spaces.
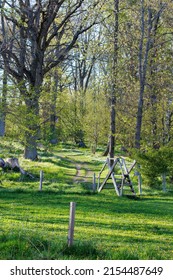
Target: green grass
{"x":34,"y":224}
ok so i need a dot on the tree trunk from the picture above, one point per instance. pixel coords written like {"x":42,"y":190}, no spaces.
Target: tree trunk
{"x":114,"y":82}
{"x":167,"y":124}
{"x":144,"y":49}
{"x":13,"y":164}
{"x":53,"y":115}
{"x":32,"y":129}
{"x":30,"y":151}
{"x":139,"y":118}
{"x":3,"y":105}
{"x":2,"y":124}
{"x":32,"y":105}
{"x":112,"y":137}
{"x":143,"y":63}
{"x":154,"y":85}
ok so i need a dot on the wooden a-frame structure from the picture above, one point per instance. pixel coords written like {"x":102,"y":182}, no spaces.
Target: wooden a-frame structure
{"x":118,"y":182}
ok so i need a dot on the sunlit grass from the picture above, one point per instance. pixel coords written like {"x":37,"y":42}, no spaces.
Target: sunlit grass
{"x":34,"y":224}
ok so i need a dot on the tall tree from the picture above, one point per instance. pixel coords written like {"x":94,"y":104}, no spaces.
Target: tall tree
{"x":30,"y":53}
{"x":148,"y":31}
{"x":111,"y":72}
{"x":114,"y":80}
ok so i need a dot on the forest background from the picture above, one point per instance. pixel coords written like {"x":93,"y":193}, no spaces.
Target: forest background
{"x":87,"y":71}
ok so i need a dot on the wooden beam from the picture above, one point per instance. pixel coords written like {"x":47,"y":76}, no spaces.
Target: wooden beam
{"x":132,"y":166}
{"x":124,"y":166}
{"x":115,"y":184}
{"x":94,"y":183}
{"x":41,"y":180}
{"x":139,"y":183}
{"x":109,"y":174}
{"x":106,"y":162}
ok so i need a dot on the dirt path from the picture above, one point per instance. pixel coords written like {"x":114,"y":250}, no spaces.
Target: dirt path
{"x":83,"y":174}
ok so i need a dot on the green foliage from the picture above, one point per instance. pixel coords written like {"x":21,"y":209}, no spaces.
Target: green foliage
{"x":96,"y":120}
{"x":154,"y":163}
{"x":82,"y":114}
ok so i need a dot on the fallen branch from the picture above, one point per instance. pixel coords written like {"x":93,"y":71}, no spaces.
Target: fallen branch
{"x":13,"y":164}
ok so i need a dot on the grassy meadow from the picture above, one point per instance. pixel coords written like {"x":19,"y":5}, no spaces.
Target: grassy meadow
{"x":34,"y":224}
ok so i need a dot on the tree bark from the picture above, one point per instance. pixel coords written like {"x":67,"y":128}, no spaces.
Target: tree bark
{"x":30,"y":151}
{"x":143,"y":62}
{"x":153,"y":66}
{"x":4,"y":83}
{"x":144,"y":49}
{"x":114,"y":82}
{"x":13,"y":164}
{"x":32,"y":126}
{"x":53,"y":114}
{"x":3,"y":104}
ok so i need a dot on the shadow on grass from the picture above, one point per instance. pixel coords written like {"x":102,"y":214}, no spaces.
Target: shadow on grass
{"x":83,"y":250}
{"x":105,"y":202}
{"x":16,"y":246}
{"x":36,"y":209}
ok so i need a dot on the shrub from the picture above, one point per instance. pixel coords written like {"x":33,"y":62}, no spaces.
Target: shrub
{"x":154,"y":163}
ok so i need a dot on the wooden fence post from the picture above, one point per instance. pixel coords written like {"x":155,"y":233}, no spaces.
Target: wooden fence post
{"x":71,"y":223}
{"x":41,"y":180}
{"x":140,"y":183}
{"x":94,"y":182}
{"x":138,"y":174}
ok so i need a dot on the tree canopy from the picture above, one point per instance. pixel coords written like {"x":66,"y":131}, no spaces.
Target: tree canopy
{"x":88,"y":71}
